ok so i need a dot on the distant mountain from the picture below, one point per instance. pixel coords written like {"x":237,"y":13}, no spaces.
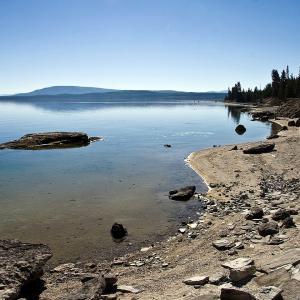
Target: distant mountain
{"x":66,"y":90}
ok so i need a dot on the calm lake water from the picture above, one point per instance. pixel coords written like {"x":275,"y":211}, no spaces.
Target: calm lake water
{"x":69,"y":198}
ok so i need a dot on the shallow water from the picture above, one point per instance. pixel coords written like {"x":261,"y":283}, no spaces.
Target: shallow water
{"x":69,"y":198}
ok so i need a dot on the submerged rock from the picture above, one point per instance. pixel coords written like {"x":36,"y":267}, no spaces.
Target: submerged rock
{"x":50,"y":140}
{"x":183,"y":194}
{"x":118,"y":231}
{"x":262,"y":148}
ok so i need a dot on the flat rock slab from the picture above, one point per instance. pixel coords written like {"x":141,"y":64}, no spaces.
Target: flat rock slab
{"x":75,"y":282}
{"x":263,"y":148}
{"x":238,"y":263}
{"x":223,"y":244}
{"x":229,"y":292}
{"x":289,"y":257}
{"x":196,"y":280}
{"x":50,"y":140}
{"x":19,"y":264}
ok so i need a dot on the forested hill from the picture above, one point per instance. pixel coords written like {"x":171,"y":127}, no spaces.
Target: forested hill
{"x":120,"y":96}
{"x":283,"y":86}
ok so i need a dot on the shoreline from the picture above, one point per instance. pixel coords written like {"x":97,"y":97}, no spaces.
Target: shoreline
{"x":157,"y":270}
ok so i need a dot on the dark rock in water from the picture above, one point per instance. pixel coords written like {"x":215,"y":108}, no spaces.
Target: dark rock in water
{"x":50,"y":140}
{"x":288,"y":222}
{"x":291,"y":123}
{"x":183,"y":194}
{"x":273,"y":136}
{"x":280,"y":214}
{"x":240,"y":129}
{"x":167,"y":146}
{"x":255,"y":213}
{"x":263,"y":148}
{"x":268,"y":228}
{"x":20,"y":265}
{"x":118,"y":231}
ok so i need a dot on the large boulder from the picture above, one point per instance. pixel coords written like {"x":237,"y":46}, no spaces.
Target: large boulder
{"x":240,"y":269}
{"x":20,"y":265}
{"x":255,"y":213}
{"x":268,"y":228}
{"x":262,"y":148}
{"x":118,"y":231}
{"x":240,"y":129}
{"x":280,"y":214}
{"x":50,"y":140}
{"x":183,"y":194}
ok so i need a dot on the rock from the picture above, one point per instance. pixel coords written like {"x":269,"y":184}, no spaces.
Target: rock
{"x":288,"y":223}
{"x":167,"y":146}
{"x":234,"y":148}
{"x":240,"y":129}
{"x":49,"y":140}
{"x":20,"y":265}
{"x":291,"y":123}
{"x":223,"y":244}
{"x":283,"y":128}
{"x":118,"y":231}
{"x":268,"y":228}
{"x":240,"y":269}
{"x":63,"y":267}
{"x":127,"y":289}
{"x":73,"y":286}
{"x":218,"y":278}
{"x":289,"y":257}
{"x":255,"y":213}
{"x":273,"y":136}
{"x":234,"y":293}
{"x":183,"y":194}
{"x":262,"y":148}
{"x":297,"y":122}
{"x":110,"y":282}
{"x":269,"y":293}
{"x":196,"y":280}
{"x":280,"y":214}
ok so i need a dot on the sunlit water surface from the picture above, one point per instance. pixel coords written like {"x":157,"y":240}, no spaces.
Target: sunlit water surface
{"x":69,"y":198}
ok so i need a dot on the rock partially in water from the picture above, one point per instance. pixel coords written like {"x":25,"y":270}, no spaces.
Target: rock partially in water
{"x":262,"y":148}
{"x":20,"y":265}
{"x":183,"y":194}
{"x":240,"y":129}
{"x":50,"y":140}
{"x":118,"y":231}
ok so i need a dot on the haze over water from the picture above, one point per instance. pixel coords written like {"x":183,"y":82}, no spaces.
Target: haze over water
{"x":69,"y":198}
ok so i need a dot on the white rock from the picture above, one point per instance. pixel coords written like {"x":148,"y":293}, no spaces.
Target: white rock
{"x":127,"y":289}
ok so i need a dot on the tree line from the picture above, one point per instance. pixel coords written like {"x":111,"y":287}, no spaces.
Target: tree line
{"x":282,"y":87}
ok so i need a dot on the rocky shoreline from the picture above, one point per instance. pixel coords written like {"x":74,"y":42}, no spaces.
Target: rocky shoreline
{"x":245,"y":244}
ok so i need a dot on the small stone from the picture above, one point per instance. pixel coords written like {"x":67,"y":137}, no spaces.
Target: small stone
{"x":127,"y":289}
{"x":196,"y":280}
{"x":223,"y":244}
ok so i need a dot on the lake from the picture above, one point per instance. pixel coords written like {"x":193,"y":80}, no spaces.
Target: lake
{"x":69,"y":198}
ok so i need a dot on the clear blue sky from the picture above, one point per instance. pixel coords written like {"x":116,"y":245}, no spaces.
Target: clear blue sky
{"x":193,"y":45}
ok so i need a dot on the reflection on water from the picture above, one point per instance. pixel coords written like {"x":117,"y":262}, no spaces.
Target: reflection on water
{"x":69,"y":198}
